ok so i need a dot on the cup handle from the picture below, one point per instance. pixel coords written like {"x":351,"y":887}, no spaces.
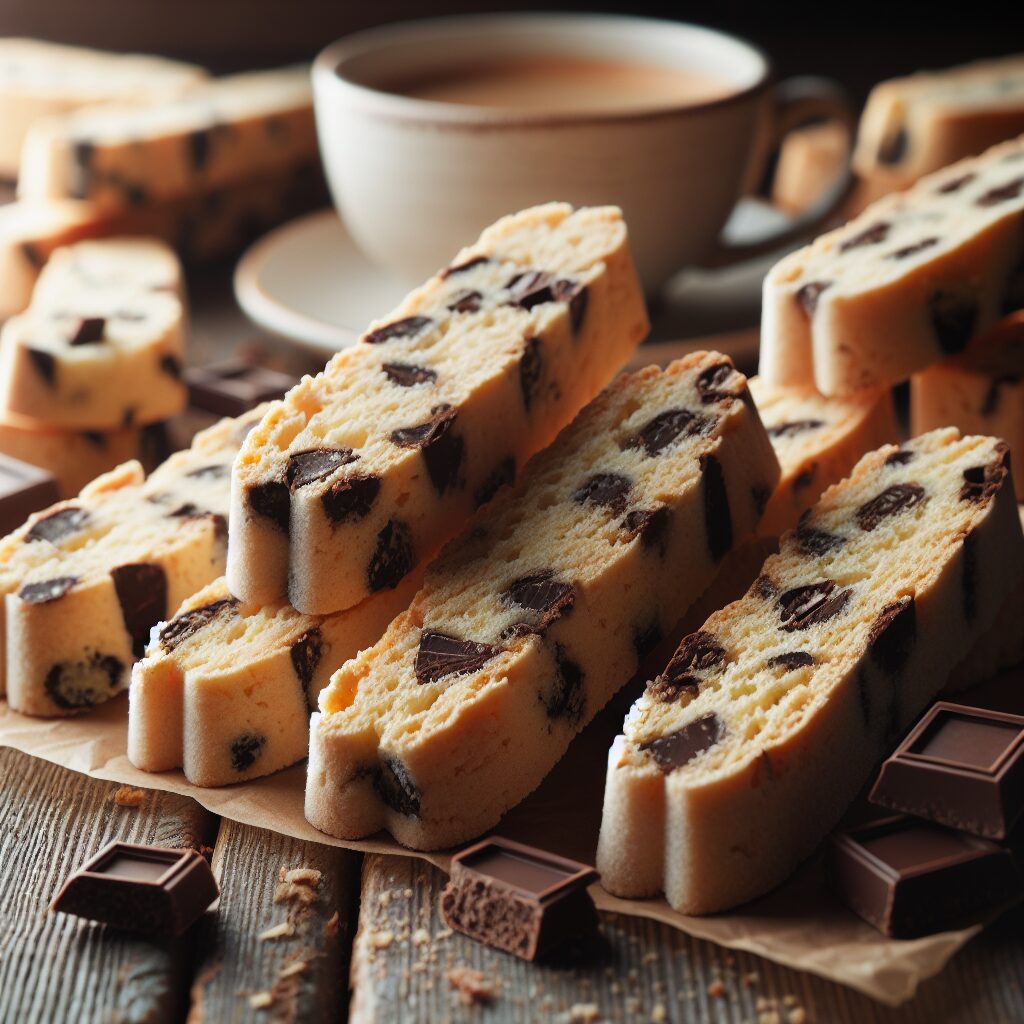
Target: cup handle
{"x":798,"y":101}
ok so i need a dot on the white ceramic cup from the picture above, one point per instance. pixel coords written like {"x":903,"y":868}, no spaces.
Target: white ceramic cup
{"x":414,"y":179}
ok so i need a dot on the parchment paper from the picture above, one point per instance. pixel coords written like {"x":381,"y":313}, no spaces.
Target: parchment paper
{"x":800,"y":925}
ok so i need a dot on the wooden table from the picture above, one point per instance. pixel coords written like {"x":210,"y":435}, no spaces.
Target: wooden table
{"x":366,"y":942}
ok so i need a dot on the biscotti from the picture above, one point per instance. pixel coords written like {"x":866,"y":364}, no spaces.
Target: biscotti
{"x":38,"y":79}
{"x":225,"y":689}
{"x":745,"y":751}
{"x":102,"y":345}
{"x":219,"y":133}
{"x":818,"y":441}
{"x":364,"y":471}
{"x":911,"y":280}
{"x":914,"y":125}
{"x":811,"y":160}
{"x":86,"y":580}
{"x":531,"y":620}
{"x":980,"y":391}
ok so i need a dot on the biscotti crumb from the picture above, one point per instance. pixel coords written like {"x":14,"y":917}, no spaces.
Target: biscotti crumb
{"x":716,"y":989}
{"x":382,"y":939}
{"x":298,"y":967}
{"x":584,"y":1013}
{"x":279,"y":931}
{"x":472,"y":987}
{"x":420,"y":937}
{"x":126,"y":796}
{"x":300,"y":876}
{"x":331,"y":926}
{"x":261,"y":1000}
{"x":297,"y":886}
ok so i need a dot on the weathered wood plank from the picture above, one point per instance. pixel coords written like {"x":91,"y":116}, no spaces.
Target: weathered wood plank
{"x":403,"y":956}
{"x":246,"y":974}
{"x":57,"y":968}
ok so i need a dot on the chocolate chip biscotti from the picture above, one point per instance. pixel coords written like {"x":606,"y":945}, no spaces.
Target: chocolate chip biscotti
{"x":86,"y":580}
{"x":531,"y":620}
{"x":226,"y":688}
{"x":911,"y":280}
{"x":745,"y":751}
{"x":362,"y":472}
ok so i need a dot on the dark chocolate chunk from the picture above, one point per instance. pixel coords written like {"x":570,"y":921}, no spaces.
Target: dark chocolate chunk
{"x":215,"y":471}
{"x":679,"y":748}
{"x":531,"y":369}
{"x":351,"y":498}
{"x":89,"y":331}
{"x":128,"y":419}
{"x":544,"y":593}
{"x":566,"y":697}
{"x":142,"y":593}
{"x":953,"y":318}
{"x":804,"y":478}
{"x":187,"y":624}
{"x":717,"y":516}
{"x":892,"y":635}
{"x":45,"y":364}
{"x":308,"y":467}
{"x":395,"y":787}
{"x":650,"y":525}
{"x":441,"y":655}
{"x":890,"y":502}
{"x":794,"y":427}
{"x":913,"y":249}
{"x":893,"y":147}
{"x":139,"y":888}
{"x":171,"y":365}
{"x":869,"y":236}
{"x":900,"y":458}
{"x":955,"y":184}
{"x":530,"y":288}
{"x":982,"y":483}
{"x":392,"y":558}
{"x":408,"y":327}
{"x":760,"y":496}
{"x":460,"y":268}
{"x":809,"y":605}
{"x":81,"y":155}
{"x":696,"y":656}
{"x":198,"y":145}
{"x":32,"y":255}
{"x":246,"y":749}
{"x":577,"y":302}
{"x":234,"y":387}
{"x":1001,"y":193}
{"x":503,"y":474}
{"x":47,"y":590}
{"x":72,"y":685}
{"x":58,"y":525}
{"x":466,"y":302}
{"x":443,"y":450}
{"x":655,"y":436}
{"x":610,"y":490}
{"x":807,"y":296}
{"x":711,"y":384}
{"x":646,"y":638}
{"x":812,"y":541}
{"x":272,"y":500}
{"x":765,"y":587}
{"x":407,"y":375}
{"x":791,"y":660}
{"x":306,"y":653}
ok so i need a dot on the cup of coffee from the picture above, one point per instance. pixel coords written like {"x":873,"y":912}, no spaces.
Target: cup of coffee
{"x":433,"y":129}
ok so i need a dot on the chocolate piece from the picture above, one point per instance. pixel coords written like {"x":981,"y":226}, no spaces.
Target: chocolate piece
{"x":892,"y":634}
{"x":541,"y":592}
{"x":1001,"y":193}
{"x":408,"y":327}
{"x":982,"y":482}
{"x":142,"y":593}
{"x":504,"y":473}
{"x":717,"y":517}
{"x":650,"y":525}
{"x":351,"y":498}
{"x":235,"y":386}
{"x":24,"y":489}
{"x":89,"y":331}
{"x":466,"y":302}
{"x":899,"y":458}
{"x":392,"y":558}
{"x":47,"y":590}
{"x":869,"y":236}
{"x":530,"y":288}
{"x":912,"y":249}
{"x":198,"y":145}
{"x":646,"y":637}
{"x":441,"y":655}
{"x":806,"y":606}
{"x":443,"y":450}
{"x":893,"y":147}
{"x":58,"y":525}
{"x":183,"y":626}
{"x":518,"y":898}
{"x":407,"y":375}
{"x":459,"y":268}
{"x":791,"y":660}
{"x":807,"y":296}
{"x":910,"y":878}
{"x":44,"y":362}
{"x":955,"y":184}
{"x":961,"y":766}
{"x":711,"y":383}
{"x":74,"y":685}
{"x":953,"y":318}
{"x":655,"y":436}
{"x":608,"y":489}
{"x":679,"y":748}
{"x":531,"y":367}
{"x":694,"y":658}
{"x":891,"y":501}
{"x":308,"y":467}
{"x":794,"y":427}
{"x":246,"y":749}
{"x":395,"y":787}
{"x":172,"y":366}
{"x":147,"y":889}
{"x":813,"y":541}
{"x":565,"y":699}
{"x":272,"y":500}
{"x":306,"y":653}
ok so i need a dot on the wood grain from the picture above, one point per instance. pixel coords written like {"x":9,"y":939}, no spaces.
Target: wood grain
{"x":239,"y":970}
{"x":54,"y":967}
{"x":644,"y":971}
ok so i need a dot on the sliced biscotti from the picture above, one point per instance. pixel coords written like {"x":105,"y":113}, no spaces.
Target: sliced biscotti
{"x":85,"y":581}
{"x":531,"y":620}
{"x":364,"y":471}
{"x":818,"y":441}
{"x":911,"y":280}
{"x":226,"y":688}
{"x":219,"y":133}
{"x":743,"y":753}
{"x":980,"y":391}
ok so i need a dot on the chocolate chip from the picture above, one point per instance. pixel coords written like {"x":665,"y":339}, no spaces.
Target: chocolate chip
{"x":608,"y":489}
{"x":395,"y":787}
{"x":81,"y":155}
{"x":443,"y":451}
{"x":717,"y":517}
{"x":307,"y":467}
{"x":765,"y":587}
{"x":981,"y":483}
{"x":504,"y":473}
{"x":47,"y":590}
{"x":215,"y":471}
{"x":890,"y":502}
{"x":89,"y":331}
{"x":407,"y":375}
{"x":696,"y":656}
{"x":900,"y":458}
{"x":711,"y":384}
{"x":198,"y":144}
{"x":807,"y":296}
{"x":571,"y":292}
{"x":128,"y":418}
{"x":306,"y":653}
{"x":794,"y":427}
{"x":141,"y":591}
{"x":679,"y":748}
{"x":869,"y":236}
{"x":187,"y":624}
{"x":44,"y":362}
{"x":893,"y":147}
{"x":646,"y":638}
{"x":350,"y":499}
{"x":392,"y":558}
{"x":58,"y":525}
{"x":408,"y":327}
{"x":271,"y":500}
{"x":650,"y":525}
{"x":791,"y":660}
{"x":530,"y":288}
{"x":461,"y":268}
{"x":813,"y":541}
{"x":809,"y":605}
{"x":892,"y":634}
{"x":72,"y":685}
{"x":760,"y":496}
{"x":566,"y":697}
{"x":245,"y":749}
{"x":466,"y":302}
{"x":541,"y":592}
{"x":657,"y":434}
{"x":804,"y":478}
{"x":955,"y":184}
{"x":440,"y":655}
{"x":953,"y":317}
{"x":531,"y":368}
{"x":171,"y":365}
{"x":1001,"y":193}
{"x":913,"y":249}
{"x":32,"y":255}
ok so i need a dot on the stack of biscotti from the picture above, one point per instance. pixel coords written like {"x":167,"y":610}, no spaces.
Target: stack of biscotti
{"x":530,"y":621}
{"x":85,"y":581}
{"x":89,"y":373}
{"x":767,"y":721}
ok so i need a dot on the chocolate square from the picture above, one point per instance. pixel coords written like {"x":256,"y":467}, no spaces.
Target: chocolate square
{"x":24,"y":489}
{"x":235,"y":386}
